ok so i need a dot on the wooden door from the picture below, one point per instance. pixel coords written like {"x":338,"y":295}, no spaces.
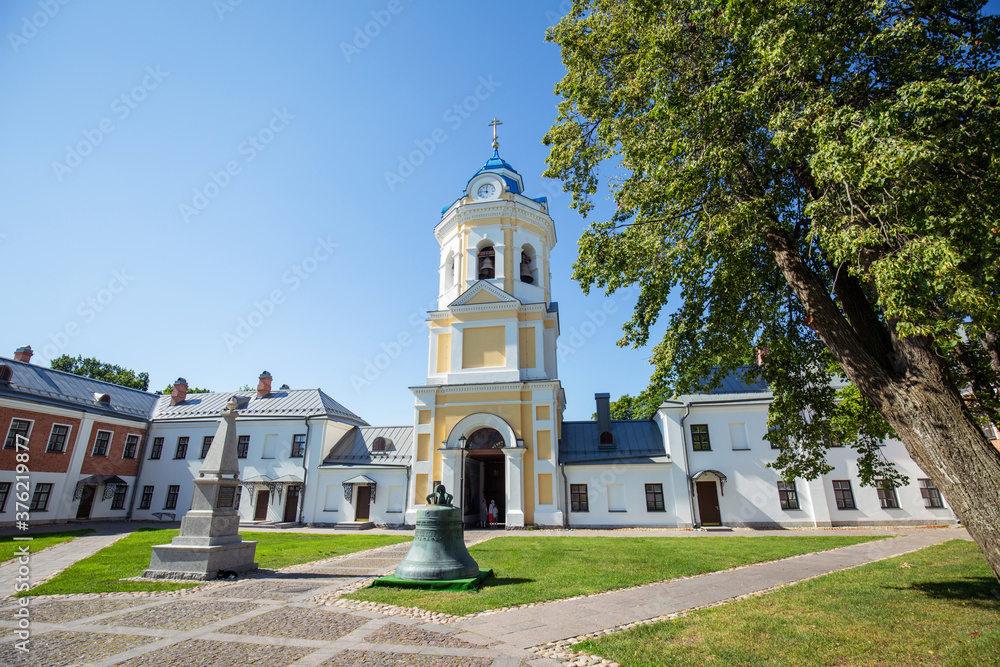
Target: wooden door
{"x":260,"y":511}
{"x":86,"y":502}
{"x":708,"y":504}
{"x":292,"y":503}
{"x":364,"y":506}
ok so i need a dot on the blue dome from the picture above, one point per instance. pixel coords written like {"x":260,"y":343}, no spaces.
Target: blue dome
{"x":501,"y":168}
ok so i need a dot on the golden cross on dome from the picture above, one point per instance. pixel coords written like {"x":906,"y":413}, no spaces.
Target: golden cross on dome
{"x":494,"y":124}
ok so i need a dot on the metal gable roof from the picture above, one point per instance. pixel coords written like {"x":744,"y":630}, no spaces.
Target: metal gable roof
{"x":74,"y":391}
{"x":636,"y":441}
{"x":280,"y":403}
{"x":355,"y":447}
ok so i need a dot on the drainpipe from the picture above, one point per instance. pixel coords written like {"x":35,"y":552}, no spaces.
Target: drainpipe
{"x":687,"y":461}
{"x":138,"y":470}
{"x":566,"y":503}
{"x":305,"y":472}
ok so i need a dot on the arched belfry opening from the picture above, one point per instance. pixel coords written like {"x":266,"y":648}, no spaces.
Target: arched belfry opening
{"x":484,"y":478}
{"x":487,"y":263}
{"x":529,"y":265}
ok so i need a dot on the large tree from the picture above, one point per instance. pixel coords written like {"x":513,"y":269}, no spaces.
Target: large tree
{"x":817,"y":179}
{"x":99,"y":370}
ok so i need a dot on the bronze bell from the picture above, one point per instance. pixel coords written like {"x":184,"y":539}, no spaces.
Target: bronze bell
{"x":526,"y":269}
{"x":486,"y":268}
{"x":438,"y":551}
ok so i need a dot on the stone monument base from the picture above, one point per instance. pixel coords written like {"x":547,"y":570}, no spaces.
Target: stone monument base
{"x":171,"y":561}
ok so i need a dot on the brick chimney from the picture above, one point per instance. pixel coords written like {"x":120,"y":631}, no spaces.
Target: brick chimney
{"x":761,"y":353}
{"x":264,"y":386}
{"x":180,"y":391}
{"x":23,"y":354}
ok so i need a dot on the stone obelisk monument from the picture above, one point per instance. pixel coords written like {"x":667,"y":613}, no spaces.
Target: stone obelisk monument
{"x":209,"y":541}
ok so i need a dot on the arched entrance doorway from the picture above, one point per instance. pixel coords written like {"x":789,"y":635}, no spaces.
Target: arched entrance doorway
{"x":483,"y":478}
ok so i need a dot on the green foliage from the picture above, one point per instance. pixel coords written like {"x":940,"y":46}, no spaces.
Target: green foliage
{"x":534,"y":569}
{"x":814,"y":178}
{"x":191,"y":390}
{"x":98,"y":370}
{"x":937,"y":606}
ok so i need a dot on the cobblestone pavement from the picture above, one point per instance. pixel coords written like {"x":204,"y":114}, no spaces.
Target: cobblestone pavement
{"x":295,"y":617}
{"x":266,"y":618}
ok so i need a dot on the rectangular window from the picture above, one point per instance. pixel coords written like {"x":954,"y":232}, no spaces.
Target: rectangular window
{"x":18,"y":427}
{"x":887,"y":495}
{"x":788,"y":496}
{"x":928,"y":492}
{"x":118,"y":500}
{"x":242,"y":446}
{"x":654,"y":498}
{"x":101,"y":443}
{"x":699,"y":438}
{"x":578,"y":497}
{"x":206,"y":444}
{"x":239,"y":494}
{"x":40,"y":500}
{"x":131,"y":446}
{"x":298,"y":445}
{"x":4,"y":492}
{"x":843,"y":493}
{"x":182,"y":447}
{"x":57,"y":439}
{"x":147,"y":498}
{"x":172,"y":492}
{"x":157,"y":449}
{"x":739,"y":437}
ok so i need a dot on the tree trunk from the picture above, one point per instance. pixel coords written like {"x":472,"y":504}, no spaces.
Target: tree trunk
{"x":942,"y":436}
{"x":915,"y":393}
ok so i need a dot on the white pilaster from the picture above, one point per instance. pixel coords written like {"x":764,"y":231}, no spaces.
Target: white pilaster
{"x":514,"y":457}
{"x":451,"y":466}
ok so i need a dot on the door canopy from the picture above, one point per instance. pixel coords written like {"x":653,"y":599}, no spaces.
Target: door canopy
{"x":718,"y":475}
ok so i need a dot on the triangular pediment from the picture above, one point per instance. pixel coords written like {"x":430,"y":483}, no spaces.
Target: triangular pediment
{"x":482,"y":291}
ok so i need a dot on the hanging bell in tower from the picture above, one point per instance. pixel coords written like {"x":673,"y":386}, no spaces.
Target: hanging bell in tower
{"x":526,"y":269}
{"x":486,"y":269}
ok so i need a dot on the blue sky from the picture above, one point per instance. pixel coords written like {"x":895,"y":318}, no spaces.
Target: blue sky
{"x":199,"y":188}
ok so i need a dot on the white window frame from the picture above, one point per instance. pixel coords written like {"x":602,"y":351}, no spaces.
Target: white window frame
{"x":69,"y":432}
{"x":97,"y":436}
{"x":31,"y":428}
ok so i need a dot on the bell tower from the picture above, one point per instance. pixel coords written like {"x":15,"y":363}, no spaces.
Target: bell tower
{"x":487,"y":420}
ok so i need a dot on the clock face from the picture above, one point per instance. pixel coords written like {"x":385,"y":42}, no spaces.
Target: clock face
{"x":486,"y":191}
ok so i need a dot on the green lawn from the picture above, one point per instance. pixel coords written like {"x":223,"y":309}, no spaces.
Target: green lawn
{"x":129,"y":557}
{"x":532,"y":569}
{"x":937,"y":606}
{"x":9,"y":548}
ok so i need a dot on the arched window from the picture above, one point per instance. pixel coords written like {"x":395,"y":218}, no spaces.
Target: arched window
{"x":529,"y":268}
{"x":485,"y":438}
{"x":449,"y":271}
{"x":486,"y":263}
{"x":606,"y":438}
{"x":379,"y":444}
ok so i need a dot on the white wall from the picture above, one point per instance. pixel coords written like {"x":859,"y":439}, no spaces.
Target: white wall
{"x":328,"y":505}
{"x":627,"y":483}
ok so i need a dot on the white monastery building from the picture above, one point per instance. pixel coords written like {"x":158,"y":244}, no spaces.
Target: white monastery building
{"x":487,"y":423}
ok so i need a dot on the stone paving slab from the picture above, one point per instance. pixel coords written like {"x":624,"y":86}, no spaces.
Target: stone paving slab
{"x":62,"y":647}
{"x":397,"y":633}
{"x":300,"y":623}
{"x":207,"y":653}
{"x":181,"y":615}
{"x":353,"y":658}
{"x":267,"y":590}
{"x":65,"y":611}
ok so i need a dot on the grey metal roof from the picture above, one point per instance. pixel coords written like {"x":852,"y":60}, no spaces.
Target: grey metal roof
{"x":636,"y":441}
{"x":743,"y":380}
{"x":355,"y":447}
{"x":75,"y":391}
{"x":280,"y":403}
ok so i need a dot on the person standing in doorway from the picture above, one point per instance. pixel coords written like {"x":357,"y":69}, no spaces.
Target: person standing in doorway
{"x":482,"y":513}
{"x":493,"y":512}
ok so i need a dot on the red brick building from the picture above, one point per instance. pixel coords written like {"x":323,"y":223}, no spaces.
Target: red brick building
{"x":79,"y":442}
